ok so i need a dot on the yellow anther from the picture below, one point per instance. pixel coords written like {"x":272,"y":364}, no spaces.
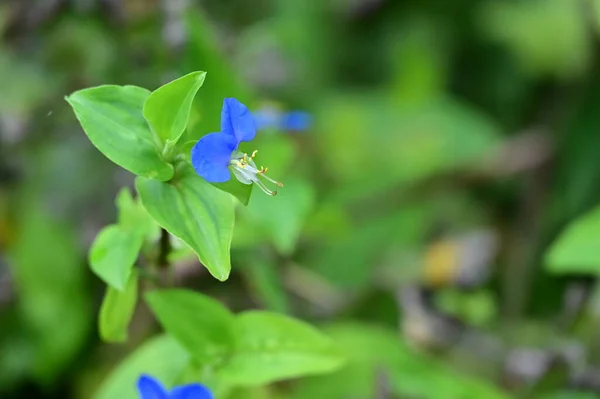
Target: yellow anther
{"x":241,"y":164}
{"x":253,"y":153}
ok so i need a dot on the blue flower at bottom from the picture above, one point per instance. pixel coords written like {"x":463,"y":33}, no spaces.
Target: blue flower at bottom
{"x":150,"y":388}
{"x":215,"y":154}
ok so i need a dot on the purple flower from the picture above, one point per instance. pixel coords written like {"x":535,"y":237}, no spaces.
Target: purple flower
{"x":216,"y":154}
{"x":150,"y":388}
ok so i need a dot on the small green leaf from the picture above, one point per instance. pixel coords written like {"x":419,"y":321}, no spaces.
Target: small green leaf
{"x":112,"y":118}
{"x":113,"y":254}
{"x":116,"y":247}
{"x":167,"y":109}
{"x":576,"y":249}
{"x":271,"y":347}
{"x":133,"y":216}
{"x":201,"y":324}
{"x":161,"y":357}
{"x":195,"y":212}
{"x":116,"y":311}
{"x":236,"y":188}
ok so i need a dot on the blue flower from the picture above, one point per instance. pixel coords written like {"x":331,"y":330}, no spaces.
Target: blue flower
{"x":150,"y":388}
{"x":271,"y":117}
{"x":216,"y":154}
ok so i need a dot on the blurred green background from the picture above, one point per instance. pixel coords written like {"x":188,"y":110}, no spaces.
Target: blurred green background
{"x":453,"y":142}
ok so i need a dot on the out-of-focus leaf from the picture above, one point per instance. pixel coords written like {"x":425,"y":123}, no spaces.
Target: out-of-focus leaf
{"x":571,"y":395}
{"x":161,"y":357}
{"x":197,"y":213}
{"x":347,"y":261}
{"x":112,"y":118}
{"x":475,"y":308}
{"x":372,"y":351}
{"x":21,"y":82}
{"x":271,"y":347}
{"x":545,"y":36}
{"x":282,"y":217}
{"x":371,"y":143}
{"x":167,"y":109}
{"x":202,"y":325}
{"x":80,"y":48}
{"x":53,"y":293}
{"x":576,"y":249}
{"x":202,"y":52}
{"x":266,"y":283}
{"x":116,"y":311}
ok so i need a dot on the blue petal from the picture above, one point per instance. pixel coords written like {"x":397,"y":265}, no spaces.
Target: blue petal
{"x":150,"y":388}
{"x":191,"y":391}
{"x":267,"y":119}
{"x":237,"y":121}
{"x":211,"y":156}
{"x":297,"y":121}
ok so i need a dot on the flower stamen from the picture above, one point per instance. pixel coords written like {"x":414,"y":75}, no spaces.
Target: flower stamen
{"x":246,"y":171}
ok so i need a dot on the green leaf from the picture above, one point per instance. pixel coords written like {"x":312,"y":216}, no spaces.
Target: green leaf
{"x":112,"y":118}
{"x":267,"y":285}
{"x":116,"y":311}
{"x":133,"y":216}
{"x":116,"y":247}
{"x":201,"y":324}
{"x":282,"y":217}
{"x":167,"y":109}
{"x":236,"y":188}
{"x":114,"y":253}
{"x":54,"y":294}
{"x":271,"y":347}
{"x":576,"y":249}
{"x":195,"y":212}
{"x":161,"y":357}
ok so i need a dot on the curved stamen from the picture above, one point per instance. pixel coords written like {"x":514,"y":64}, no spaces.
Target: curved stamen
{"x":247,"y":172}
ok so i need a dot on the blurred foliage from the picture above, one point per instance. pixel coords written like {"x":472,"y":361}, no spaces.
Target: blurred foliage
{"x":437,"y":123}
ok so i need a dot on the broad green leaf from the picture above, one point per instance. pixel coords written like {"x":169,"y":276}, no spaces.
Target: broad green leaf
{"x":116,"y":311}
{"x":282,"y":217}
{"x":195,"y":212}
{"x":167,"y":109}
{"x":271,"y":347}
{"x":114,"y":253}
{"x":201,"y":324}
{"x":576,"y":249}
{"x":112,"y":118}
{"x":161,"y":357}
